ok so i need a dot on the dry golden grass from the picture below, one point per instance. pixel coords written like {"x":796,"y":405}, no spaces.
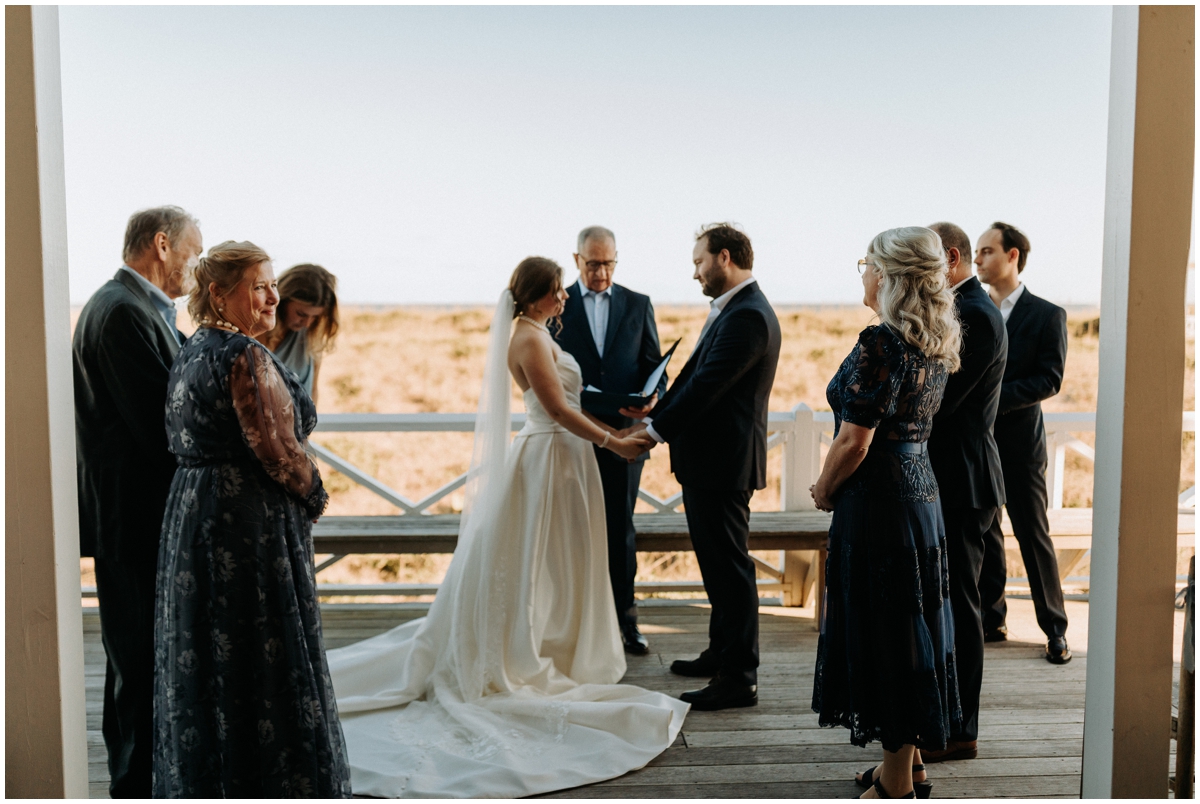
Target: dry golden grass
{"x":430,"y":360}
{"x":412,"y":359}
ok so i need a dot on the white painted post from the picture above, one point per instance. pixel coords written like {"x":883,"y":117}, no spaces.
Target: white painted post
{"x":1147,"y":222}
{"x":799,"y":472}
{"x":1056,"y":472}
{"x":45,"y":714}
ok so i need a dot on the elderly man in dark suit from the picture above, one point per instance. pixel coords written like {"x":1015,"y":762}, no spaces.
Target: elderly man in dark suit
{"x":715,"y":419}
{"x":125,"y":342}
{"x":1037,"y":355}
{"x":966,"y":462}
{"x":610,"y":331}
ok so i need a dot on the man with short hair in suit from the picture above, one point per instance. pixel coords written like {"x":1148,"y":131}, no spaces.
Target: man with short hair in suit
{"x":1037,"y":355}
{"x":611,"y":333}
{"x":715,"y":418}
{"x":125,"y":342}
{"x":966,"y":462}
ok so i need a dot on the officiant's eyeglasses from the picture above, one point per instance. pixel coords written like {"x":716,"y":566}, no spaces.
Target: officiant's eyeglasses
{"x":862,"y":266}
{"x":596,"y":265}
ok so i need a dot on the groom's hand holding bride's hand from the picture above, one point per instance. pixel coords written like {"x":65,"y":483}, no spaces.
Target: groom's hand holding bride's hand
{"x":630,"y":445}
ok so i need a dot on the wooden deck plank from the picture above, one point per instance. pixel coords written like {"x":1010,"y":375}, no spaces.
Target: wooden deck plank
{"x":1031,"y":720}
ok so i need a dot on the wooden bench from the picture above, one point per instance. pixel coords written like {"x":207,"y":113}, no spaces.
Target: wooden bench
{"x":798,"y":533}
{"x":802,"y":535}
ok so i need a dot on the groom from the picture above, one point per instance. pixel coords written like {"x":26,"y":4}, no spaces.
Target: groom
{"x":715,"y":419}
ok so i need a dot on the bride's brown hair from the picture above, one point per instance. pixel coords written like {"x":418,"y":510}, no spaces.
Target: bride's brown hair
{"x":534,"y":279}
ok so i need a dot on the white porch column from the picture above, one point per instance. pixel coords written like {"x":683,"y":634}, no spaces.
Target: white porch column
{"x":45,"y":716}
{"x":1146,"y":233}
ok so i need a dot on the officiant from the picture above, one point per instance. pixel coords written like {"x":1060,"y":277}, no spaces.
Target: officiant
{"x":610,"y":331}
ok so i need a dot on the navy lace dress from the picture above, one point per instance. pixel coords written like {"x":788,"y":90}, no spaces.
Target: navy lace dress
{"x":243,"y":703}
{"x":885,"y":658}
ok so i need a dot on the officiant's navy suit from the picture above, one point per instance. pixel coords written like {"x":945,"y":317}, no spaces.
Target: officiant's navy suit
{"x":714,"y":418}
{"x":123,"y":350}
{"x":631,"y":353}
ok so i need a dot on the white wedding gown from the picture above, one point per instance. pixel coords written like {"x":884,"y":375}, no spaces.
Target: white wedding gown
{"x":508,"y":687}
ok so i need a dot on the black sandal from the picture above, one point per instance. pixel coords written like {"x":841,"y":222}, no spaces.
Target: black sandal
{"x":921,"y":789}
{"x":882,"y":793}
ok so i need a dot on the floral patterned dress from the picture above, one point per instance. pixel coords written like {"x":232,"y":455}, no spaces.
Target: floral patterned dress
{"x":243,"y":703}
{"x":885,"y":658}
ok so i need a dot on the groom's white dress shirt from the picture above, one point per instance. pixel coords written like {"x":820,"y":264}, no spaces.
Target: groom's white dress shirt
{"x":715,"y":308}
{"x":596,"y":307}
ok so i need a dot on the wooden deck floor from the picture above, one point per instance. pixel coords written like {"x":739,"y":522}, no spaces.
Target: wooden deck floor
{"x":1031,"y":723}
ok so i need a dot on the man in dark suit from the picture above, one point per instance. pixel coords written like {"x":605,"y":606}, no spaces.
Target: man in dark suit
{"x":715,"y":419}
{"x":1037,"y":355}
{"x":967,"y":465}
{"x":610,"y":331}
{"x":125,"y":342}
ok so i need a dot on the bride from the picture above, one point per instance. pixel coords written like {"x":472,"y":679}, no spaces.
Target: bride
{"x":508,"y":687}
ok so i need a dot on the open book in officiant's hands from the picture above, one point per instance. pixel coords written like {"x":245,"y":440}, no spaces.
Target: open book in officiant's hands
{"x":607,"y":403}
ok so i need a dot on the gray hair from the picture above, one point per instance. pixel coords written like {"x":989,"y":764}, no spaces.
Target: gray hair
{"x":145,"y":224}
{"x":953,"y":237}
{"x":914,"y":298}
{"x":594,"y":231}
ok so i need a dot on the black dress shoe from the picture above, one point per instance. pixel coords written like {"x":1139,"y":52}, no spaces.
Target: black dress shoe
{"x":635,"y":643}
{"x":996,"y":635}
{"x":1057,"y":651}
{"x":722,"y":694}
{"x":703,"y":667}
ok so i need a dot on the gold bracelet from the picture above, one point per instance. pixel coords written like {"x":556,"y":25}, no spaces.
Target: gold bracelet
{"x":604,"y":443}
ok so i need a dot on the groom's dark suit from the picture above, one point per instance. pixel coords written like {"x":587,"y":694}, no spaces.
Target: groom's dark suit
{"x":631,"y":353}
{"x":715,"y":419}
{"x":123,"y":350}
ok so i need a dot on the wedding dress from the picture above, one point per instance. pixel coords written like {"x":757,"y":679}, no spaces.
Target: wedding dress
{"x":508,"y":687}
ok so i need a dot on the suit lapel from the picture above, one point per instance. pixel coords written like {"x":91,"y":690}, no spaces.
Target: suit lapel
{"x":1019,"y":311}
{"x":741,"y":296}
{"x":577,"y":316}
{"x":616,"y":310}
{"x":144,"y":300}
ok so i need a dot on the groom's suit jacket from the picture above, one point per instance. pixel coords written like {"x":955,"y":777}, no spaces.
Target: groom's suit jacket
{"x":631,"y":348}
{"x":122,"y":353}
{"x":715,"y":414}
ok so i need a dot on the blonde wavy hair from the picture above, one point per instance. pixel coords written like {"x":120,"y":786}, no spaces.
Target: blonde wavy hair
{"x":225,"y":265}
{"x":914,"y":297}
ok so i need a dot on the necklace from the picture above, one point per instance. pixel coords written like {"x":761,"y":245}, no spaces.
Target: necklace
{"x":537,"y":324}
{"x":208,"y":322}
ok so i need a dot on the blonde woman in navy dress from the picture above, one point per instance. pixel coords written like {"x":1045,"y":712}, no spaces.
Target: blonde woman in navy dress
{"x":885,"y":660}
{"x":243,"y":705}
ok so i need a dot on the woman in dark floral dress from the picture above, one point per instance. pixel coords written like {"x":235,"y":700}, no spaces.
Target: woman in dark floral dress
{"x":885,"y":659}
{"x":244,"y":706}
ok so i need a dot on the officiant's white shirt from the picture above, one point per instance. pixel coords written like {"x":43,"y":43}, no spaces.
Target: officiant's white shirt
{"x":715,"y":308}
{"x":596,"y":306}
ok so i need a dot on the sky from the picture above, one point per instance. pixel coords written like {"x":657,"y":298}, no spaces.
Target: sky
{"x":419,"y":153}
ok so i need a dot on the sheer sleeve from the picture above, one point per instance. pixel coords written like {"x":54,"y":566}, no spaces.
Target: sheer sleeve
{"x":266,"y":414}
{"x":870,"y":392}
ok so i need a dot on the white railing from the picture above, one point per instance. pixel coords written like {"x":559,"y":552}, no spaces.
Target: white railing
{"x":799,"y":432}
